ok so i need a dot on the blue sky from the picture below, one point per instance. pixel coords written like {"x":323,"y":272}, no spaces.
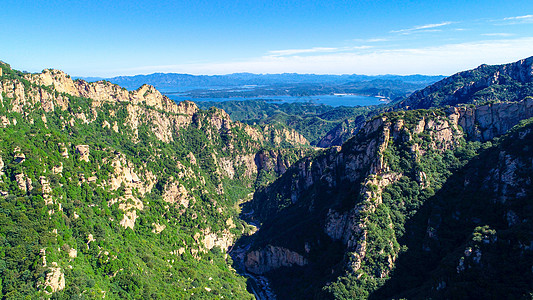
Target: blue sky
{"x":109,"y":38}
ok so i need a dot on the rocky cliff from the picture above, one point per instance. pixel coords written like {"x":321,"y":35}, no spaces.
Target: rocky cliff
{"x":342,"y":132}
{"x":336,"y":187}
{"x":476,"y":228}
{"x":93,"y":163}
{"x":480,"y":123}
{"x":269,"y":258}
{"x":345,"y":192}
{"x":365,"y":196}
{"x":485,"y":122}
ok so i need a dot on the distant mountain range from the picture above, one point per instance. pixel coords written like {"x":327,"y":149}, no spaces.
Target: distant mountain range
{"x":172,"y":82}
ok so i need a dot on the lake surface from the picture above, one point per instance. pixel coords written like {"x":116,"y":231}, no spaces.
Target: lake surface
{"x":332,"y":100}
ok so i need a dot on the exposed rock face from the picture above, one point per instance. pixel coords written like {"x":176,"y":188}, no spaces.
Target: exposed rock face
{"x":272,"y":160}
{"x":291,"y":136}
{"x":226,"y":166}
{"x":176,"y":193}
{"x":58,"y":169}
{"x":505,"y":181}
{"x":18,"y":156}
{"x":360,"y":167}
{"x":47,"y":190}
{"x":103,"y":91}
{"x":222,"y":240}
{"x":73,"y":253}
{"x":276,"y":136}
{"x":481,"y":123}
{"x":125,"y":175}
{"x":271,"y":257}
{"x":342,"y":132}
{"x":129,"y":204}
{"x":63,"y":149}
{"x":83,"y":151}
{"x":24,"y":183}
{"x":485,"y":122}
{"x":158,"y":228}
{"x":247,"y":161}
{"x":356,"y":160}
{"x":55,"y":279}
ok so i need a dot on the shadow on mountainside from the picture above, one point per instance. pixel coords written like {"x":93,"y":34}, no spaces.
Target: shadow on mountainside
{"x":474,"y":238}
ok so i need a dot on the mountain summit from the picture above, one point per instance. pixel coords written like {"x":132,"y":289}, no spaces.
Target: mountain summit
{"x":509,"y":82}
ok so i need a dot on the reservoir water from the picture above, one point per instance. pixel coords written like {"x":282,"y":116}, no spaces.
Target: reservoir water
{"x":332,"y":100}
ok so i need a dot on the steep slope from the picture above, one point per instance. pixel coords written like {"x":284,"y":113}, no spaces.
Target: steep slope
{"x":321,"y":125}
{"x":331,"y":221}
{"x":343,"y":131}
{"x":106,"y":192}
{"x":509,"y":82}
{"x":474,"y":238}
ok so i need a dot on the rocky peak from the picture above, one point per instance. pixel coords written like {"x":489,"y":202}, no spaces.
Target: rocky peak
{"x":187,"y":108}
{"x":103,"y":91}
{"x":219,"y":118}
{"x":56,"y":78}
{"x":152,"y":97}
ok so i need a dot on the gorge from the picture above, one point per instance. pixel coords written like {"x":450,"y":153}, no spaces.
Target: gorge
{"x":112,"y":193}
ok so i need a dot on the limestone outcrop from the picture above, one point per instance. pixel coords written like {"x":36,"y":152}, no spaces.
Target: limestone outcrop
{"x":483,"y":123}
{"x":271,"y":257}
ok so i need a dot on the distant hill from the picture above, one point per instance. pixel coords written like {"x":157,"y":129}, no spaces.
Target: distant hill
{"x":508,"y":82}
{"x":167,"y":82}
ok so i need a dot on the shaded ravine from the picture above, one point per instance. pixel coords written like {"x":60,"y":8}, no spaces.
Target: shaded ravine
{"x":259,"y":285}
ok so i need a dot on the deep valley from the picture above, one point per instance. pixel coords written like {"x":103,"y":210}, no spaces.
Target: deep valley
{"x":117,"y":191}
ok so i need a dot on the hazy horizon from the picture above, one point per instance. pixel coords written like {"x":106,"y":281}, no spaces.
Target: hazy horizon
{"x":261,"y":74}
{"x":121,"y":38}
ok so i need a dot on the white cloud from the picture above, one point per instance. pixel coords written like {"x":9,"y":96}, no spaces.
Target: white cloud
{"x":293,"y":52}
{"x":356,"y":48}
{"x":371,"y":40}
{"x":519,"y":19}
{"x":502,"y":34}
{"x":526,"y":17}
{"x":421,"y":28}
{"x":376,"y":40}
{"x":301,"y":51}
{"x":445,"y":59}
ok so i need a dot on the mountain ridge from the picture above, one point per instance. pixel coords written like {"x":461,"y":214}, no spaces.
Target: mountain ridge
{"x":173,"y":81}
{"x":508,"y":82}
{"x":127,"y":194}
{"x":122,"y":193}
{"x":361,"y":198}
